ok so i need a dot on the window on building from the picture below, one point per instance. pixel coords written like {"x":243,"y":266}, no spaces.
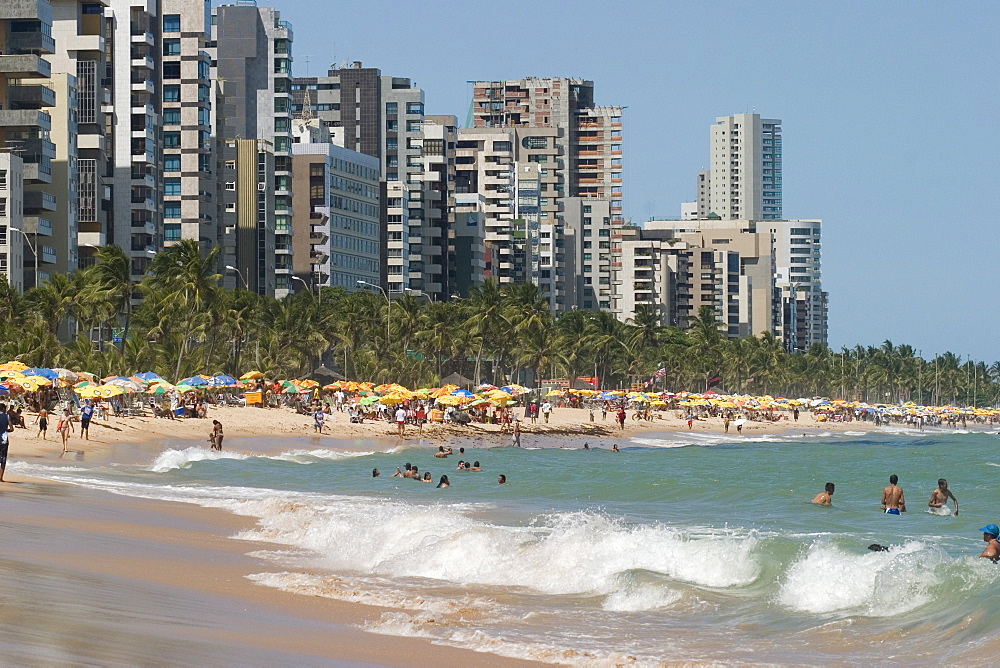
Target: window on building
{"x":413,"y":126}
{"x":415,"y":108}
{"x":171,"y":209}
{"x":171,"y":140}
{"x":172,"y":93}
{"x":391,"y":108}
{"x":392,"y":126}
{"x":172,"y":232}
{"x":281,"y":105}
{"x":172,"y":47}
{"x":535,"y":142}
{"x":538,"y":157}
{"x":172,"y":186}
{"x":171,"y":23}
{"x":171,"y":116}
{"x":171,"y":70}
{"x":282,"y":125}
{"x":504,"y":146}
{"x":203,"y":93}
{"x":172,"y":163}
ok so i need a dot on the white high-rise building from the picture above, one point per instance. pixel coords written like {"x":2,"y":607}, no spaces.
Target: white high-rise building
{"x":745,"y":168}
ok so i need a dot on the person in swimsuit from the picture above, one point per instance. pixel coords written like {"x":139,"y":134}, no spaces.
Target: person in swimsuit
{"x":64,"y":425}
{"x":892,"y":497}
{"x":43,"y":424}
{"x":992,"y":551}
{"x":217,"y":432}
{"x":939,"y":497}
{"x":443,"y":482}
{"x":823,"y":498}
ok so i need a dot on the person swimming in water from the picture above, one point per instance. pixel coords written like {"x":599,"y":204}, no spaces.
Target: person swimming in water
{"x":939,"y":497}
{"x":823,"y":498}
{"x":892,"y":497}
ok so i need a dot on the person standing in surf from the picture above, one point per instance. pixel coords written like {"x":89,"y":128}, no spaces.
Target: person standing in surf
{"x":823,"y":498}
{"x":992,"y":551}
{"x":892,"y":497}
{"x":940,"y":496}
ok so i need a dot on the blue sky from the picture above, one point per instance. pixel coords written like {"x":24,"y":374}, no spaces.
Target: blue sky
{"x":888,"y":111}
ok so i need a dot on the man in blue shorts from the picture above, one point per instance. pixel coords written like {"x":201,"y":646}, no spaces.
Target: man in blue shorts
{"x":86,"y":413}
{"x":892,"y":497}
{"x":6,"y":426}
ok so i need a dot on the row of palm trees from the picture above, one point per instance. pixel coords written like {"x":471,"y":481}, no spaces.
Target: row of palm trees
{"x":187,"y":323}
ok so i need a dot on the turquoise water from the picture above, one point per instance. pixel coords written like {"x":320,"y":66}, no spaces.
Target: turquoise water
{"x":683,"y":547}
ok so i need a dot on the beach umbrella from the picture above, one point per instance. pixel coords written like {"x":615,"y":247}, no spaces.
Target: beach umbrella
{"x":332,"y":386}
{"x":462,"y":393}
{"x":149,"y":376}
{"x":308,"y":382}
{"x":182,"y":388}
{"x":33,"y":383}
{"x":44,"y":373}
{"x":157,"y":390}
{"x":4,"y":390}
{"x":222,"y":380}
{"x":193,"y":381}
{"x":450,"y":400}
{"x":366,"y":401}
{"x":252,"y":375}
{"x":13,"y":365}
{"x":486,"y":386}
{"x":126,"y":384}
{"x":14,"y":375}
{"x":291,"y":389}
{"x":65,"y":375}
{"x":555,"y":393}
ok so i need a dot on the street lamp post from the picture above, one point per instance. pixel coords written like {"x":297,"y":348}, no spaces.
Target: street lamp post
{"x":388,"y":308}
{"x":319,"y":295}
{"x":421,"y":293}
{"x":32,"y":246}
{"x":240,"y":274}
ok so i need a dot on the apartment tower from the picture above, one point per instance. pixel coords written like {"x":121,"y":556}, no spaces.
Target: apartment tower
{"x":745,"y":168}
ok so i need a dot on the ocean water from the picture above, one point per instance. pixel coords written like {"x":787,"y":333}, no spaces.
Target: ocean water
{"x":680,"y":548}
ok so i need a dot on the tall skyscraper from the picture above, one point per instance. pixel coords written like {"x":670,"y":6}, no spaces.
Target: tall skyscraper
{"x":26,"y":152}
{"x":745,"y":168}
{"x":253,"y":55}
{"x":136,"y":220}
{"x":577,"y":147}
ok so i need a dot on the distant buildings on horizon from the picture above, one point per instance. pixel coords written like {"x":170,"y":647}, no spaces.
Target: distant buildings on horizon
{"x":144,"y":122}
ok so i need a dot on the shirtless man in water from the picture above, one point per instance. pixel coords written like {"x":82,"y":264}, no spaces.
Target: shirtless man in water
{"x":940,"y":496}
{"x":823,"y":498}
{"x":892,"y":497}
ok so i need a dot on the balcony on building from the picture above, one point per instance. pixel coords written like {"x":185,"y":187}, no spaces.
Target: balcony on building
{"x":37,"y":226}
{"x":26,"y":66}
{"x":30,"y":97}
{"x":47,"y":255}
{"x":35,"y":200}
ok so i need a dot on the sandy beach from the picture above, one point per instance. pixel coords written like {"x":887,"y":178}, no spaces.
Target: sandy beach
{"x":565,"y":423}
{"x":165,"y":582}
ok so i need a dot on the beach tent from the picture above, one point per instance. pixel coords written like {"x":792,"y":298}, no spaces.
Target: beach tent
{"x":456,"y":379}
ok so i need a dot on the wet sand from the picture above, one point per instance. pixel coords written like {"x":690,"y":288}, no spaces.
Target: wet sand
{"x":91,"y":577}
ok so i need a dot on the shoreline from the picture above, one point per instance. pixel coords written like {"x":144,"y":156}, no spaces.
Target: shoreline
{"x":187,"y":559}
{"x":120,"y":439}
{"x":189,"y":596}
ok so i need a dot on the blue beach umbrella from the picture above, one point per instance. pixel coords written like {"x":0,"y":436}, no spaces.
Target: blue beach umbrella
{"x":194,"y":381}
{"x":222,"y":380}
{"x":44,"y":373}
{"x":462,"y":393}
{"x":149,"y":375}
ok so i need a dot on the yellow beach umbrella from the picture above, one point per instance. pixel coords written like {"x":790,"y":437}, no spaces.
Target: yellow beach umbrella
{"x":251,"y":375}
{"x":449,"y":400}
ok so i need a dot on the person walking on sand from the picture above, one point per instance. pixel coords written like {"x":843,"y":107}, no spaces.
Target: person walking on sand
{"x":546,"y":410}
{"x":892,"y":497}
{"x":620,"y":416}
{"x":401,"y":420}
{"x":515,"y":437}
{"x":823,"y":498}
{"x":86,"y":413}
{"x":939,"y":497}
{"x":43,"y":424}
{"x":64,"y":426}
{"x":5,"y":428}
{"x":319,"y":418}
